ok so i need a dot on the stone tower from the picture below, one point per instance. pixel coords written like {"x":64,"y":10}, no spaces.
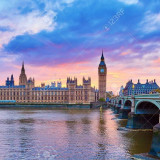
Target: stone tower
{"x":23,"y":77}
{"x":71,"y":85}
{"x":102,"y":73}
{"x":87,"y":90}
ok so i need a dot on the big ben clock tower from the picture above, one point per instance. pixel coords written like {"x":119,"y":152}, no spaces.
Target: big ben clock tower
{"x":102,"y":73}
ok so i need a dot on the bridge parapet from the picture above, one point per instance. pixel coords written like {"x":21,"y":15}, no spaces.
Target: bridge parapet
{"x":149,"y":96}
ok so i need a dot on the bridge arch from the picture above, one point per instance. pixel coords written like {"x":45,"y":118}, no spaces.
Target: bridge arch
{"x":120,"y":102}
{"x":148,"y":112}
{"x":147,"y":107}
{"x":127,"y":104}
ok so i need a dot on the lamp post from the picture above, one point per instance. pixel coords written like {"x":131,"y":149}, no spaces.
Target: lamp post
{"x":122,"y":92}
{"x":133,"y":86}
{"x":133,"y":99}
{"x":122,"y":102}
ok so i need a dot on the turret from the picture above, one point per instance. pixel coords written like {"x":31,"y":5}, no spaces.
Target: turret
{"x":86,"y":81}
{"x":23,"y":77}
{"x":53,"y":84}
{"x":71,"y":82}
{"x":12,"y":81}
{"x":59,"y":84}
{"x":7,"y":82}
{"x":30,"y":83}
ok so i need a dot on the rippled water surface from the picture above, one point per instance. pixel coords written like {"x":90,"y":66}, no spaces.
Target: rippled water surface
{"x":67,"y":134}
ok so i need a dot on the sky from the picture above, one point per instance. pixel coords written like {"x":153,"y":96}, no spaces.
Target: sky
{"x":61,"y":38}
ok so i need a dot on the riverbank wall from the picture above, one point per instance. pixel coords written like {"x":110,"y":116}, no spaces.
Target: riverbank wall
{"x":44,"y":106}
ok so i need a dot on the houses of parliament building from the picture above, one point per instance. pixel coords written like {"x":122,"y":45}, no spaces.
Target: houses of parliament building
{"x":27,"y":92}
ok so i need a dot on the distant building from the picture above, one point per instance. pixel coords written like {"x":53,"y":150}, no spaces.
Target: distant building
{"x":139,"y":88}
{"x":109,"y":94}
{"x":121,"y":91}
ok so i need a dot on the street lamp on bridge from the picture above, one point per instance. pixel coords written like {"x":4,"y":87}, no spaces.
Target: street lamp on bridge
{"x":133,"y":99}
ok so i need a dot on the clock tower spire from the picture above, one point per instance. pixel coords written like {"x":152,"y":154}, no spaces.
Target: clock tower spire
{"x":102,"y":76}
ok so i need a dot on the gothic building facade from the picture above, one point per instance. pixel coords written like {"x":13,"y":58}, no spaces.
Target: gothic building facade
{"x":139,"y":88}
{"x":27,"y":92}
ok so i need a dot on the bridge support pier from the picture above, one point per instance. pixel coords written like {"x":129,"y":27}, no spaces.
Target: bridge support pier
{"x":124,"y":110}
{"x":155,"y":149}
{"x":113,"y":107}
{"x":141,"y":121}
{"x":117,"y":109}
{"x":123,"y":113}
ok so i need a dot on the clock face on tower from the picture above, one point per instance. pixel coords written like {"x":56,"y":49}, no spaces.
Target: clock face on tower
{"x":102,"y":70}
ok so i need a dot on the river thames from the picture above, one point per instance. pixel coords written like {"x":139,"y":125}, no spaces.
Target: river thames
{"x":67,"y":134}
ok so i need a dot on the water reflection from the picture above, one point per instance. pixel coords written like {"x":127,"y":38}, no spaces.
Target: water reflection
{"x":136,"y":141}
{"x":102,"y":133}
{"x":67,"y":134}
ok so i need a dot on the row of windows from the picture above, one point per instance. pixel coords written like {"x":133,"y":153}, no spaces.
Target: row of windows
{"x":50,"y":98}
{"x":32,"y":93}
{"x":49,"y":93}
{"x":35,"y":98}
{"x":43,"y":98}
{"x":142,"y":88}
{"x":141,"y":92}
{"x":41,"y":93}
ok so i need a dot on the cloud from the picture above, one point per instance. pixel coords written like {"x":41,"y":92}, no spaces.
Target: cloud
{"x":157,"y":61}
{"x":126,"y":52}
{"x":151,"y":22}
{"x":129,"y":2}
{"x":29,"y":17}
{"x":31,"y":23}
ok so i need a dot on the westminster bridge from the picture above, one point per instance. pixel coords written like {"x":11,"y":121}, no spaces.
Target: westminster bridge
{"x":142,"y":112}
